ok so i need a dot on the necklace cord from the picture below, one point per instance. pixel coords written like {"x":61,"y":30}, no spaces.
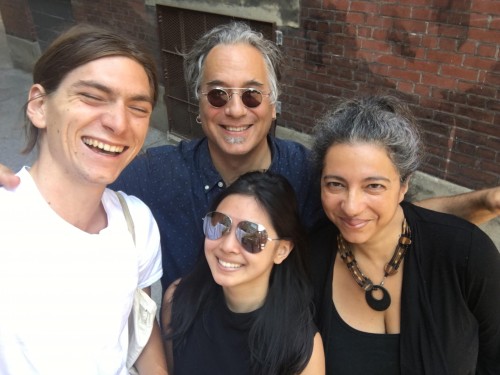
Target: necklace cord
{"x":390,"y":268}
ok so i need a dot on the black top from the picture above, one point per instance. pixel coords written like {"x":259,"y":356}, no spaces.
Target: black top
{"x":450,"y":301}
{"x":216,"y":344}
{"x":374,"y":354}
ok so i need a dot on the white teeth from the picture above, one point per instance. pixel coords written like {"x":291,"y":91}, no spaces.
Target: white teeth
{"x":103,"y":146}
{"x":236,"y":129}
{"x":228,"y":265}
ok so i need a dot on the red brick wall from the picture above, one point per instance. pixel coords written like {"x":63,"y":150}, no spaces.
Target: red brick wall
{"x":441,"y":56}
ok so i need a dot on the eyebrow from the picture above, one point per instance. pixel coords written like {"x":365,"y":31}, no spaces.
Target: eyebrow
{"x":371,"y":178}
{"x":99,"y":86}
{"x":217,"y":82}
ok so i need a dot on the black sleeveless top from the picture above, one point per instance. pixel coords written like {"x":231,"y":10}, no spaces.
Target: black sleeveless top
{"x":374,"y":354}
{"x":216,"y":344}
{"x":380,"y":351}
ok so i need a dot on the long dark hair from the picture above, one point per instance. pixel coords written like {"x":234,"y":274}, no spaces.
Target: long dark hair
{"x":281,"y":337}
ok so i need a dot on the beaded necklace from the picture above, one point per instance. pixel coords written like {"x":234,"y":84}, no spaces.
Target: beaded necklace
{"x":390,"y":268}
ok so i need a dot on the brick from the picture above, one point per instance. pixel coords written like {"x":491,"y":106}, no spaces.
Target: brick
{"x":488,"y":51}
{"x":492,"y":143}
{"x":468,"y":47}
{"x":336,"y":4}
{"x":486,"y":153}
{"x":457,"y":72}
{"x":306,"y":84}
{"x":485,"y":128}
{"x":444,"y":57}
{"x":466,"y":148}
{"x":479,"y":20}
{"x":422,"y":90}
{"x":476,"y":101}
{"x":441,"y":82}
{"x":485,"y":36}
{"x":487,"y":7}
{"x":385,"y":23}
{"x":448,"y":44}
{"x":493,"y":105}
{"x":471,"y":137}
{"x":407,"y":75}
{"x":479,"y":63}
{"x":364,"y":6}
{"x":452,"y":31}
{"x":480,"y":89}
{"x":426,"y":43}
{"x":424,"y":14}
{"x":405,"y":87}
{"x":423,"y":66}
{"x":495,"y":24}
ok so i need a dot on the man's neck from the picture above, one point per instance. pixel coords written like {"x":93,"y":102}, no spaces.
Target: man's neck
{"x":78,"y":204}
{"x":231,"y":167}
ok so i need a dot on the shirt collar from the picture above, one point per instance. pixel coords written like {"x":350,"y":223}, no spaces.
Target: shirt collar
{"x":210,"y":176}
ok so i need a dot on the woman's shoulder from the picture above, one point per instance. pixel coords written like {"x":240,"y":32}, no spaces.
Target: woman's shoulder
{"x":445,"y":231}
{"x":438,"y":223}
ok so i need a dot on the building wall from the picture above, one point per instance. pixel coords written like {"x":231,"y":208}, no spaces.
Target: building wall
{"x":440,"y":56}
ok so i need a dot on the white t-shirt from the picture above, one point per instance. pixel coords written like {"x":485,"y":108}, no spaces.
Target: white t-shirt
{"x":66,"y":295}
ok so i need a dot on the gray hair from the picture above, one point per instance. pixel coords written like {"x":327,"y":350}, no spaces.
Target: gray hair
{"x":227,"y":34}
{"x":383,"y":120}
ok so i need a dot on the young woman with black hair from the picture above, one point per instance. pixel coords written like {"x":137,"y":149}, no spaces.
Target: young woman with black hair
{"x":246,"y":307}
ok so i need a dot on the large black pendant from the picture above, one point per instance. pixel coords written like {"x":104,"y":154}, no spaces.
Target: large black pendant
{"x":378,"y":304}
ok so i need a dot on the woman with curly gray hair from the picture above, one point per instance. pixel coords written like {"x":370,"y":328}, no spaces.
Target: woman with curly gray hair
{"x":399,"y":289}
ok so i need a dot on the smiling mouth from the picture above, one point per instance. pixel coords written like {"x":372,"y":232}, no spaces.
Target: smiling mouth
{"x":104,"y":147}
{"x":236,"y":129}
{"x":228,"y":265}
{"x":354,"y":223}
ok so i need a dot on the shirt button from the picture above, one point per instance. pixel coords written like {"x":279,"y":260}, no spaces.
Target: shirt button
{"x":221,"y":184}
{"x":207,"y":187}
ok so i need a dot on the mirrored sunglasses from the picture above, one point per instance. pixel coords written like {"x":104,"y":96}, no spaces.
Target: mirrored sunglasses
{"x":218,"y":97}
{"x":252,"y":236}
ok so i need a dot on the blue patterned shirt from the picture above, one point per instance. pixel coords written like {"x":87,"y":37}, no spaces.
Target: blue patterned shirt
{"x":179,"y":182}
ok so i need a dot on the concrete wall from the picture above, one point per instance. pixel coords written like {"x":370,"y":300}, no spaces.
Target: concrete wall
{"x":281,"y":12}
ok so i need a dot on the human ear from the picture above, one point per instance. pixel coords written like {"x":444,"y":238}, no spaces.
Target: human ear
{"x":284,"y":249}
{"x":35,"y":109}
{"x":403,"y":189}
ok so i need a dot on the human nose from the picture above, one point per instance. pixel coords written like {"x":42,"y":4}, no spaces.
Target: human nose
{"x":230,"y":243}
{"x":353,"y":203}
{"x":235,"y":106}
{"x":115,"y":118}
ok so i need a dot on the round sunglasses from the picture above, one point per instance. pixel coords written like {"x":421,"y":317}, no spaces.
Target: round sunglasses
{"x":252,"y":236}
{"x":218,"y":97}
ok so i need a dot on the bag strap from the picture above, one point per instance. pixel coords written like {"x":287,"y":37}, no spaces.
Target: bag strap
{"x":126,"y":212}
{"x":143,"y":314}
